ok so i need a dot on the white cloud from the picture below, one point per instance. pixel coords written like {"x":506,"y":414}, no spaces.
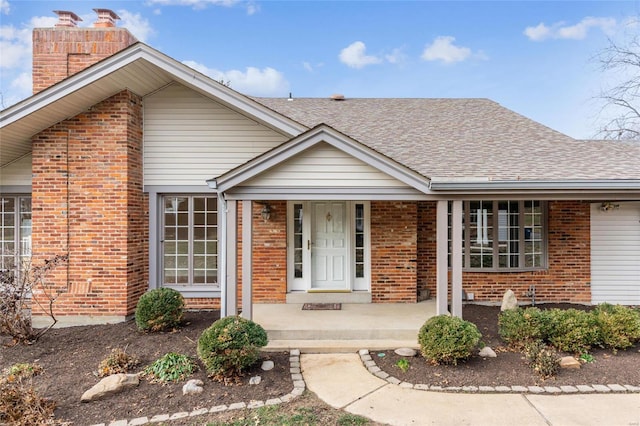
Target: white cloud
{"x":355,"y":56}
{"x":253,"y":81}
{"x":443,"y":49}
{"x":4,"y":7}
{"x":136,"y":24}
{"x":396,"y":56}
{"x":579,"y":31}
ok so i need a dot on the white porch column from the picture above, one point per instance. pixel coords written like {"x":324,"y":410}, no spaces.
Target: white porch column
{"x":247,"y":260}
{"x":442,"y":248}
{"x":456,"y":259}
{"x":232,"y":258}
{"x":222,"y":255}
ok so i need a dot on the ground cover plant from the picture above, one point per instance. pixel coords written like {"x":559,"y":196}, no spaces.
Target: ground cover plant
{"x":70,"y":358}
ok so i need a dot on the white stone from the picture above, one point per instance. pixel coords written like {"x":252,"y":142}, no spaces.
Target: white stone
{"x":192,"y":387}
{"x":267,"y":365}
{"x":110,"y":385}
{"x":509,"y":301}
{"x":408,"y":352}
{"x":138,"y":421}
{"x":487,"y":352}
{"x":255,"y":380}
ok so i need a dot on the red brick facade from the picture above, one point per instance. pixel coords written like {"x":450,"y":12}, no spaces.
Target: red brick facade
{"x":88,"y":202}
{"x":394,"y":251}
{"x":567,"y":278}
{"x":62,"y":51}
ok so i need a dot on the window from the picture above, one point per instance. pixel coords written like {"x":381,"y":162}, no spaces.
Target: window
{"x":504,"y":235}
{"x":359,"y":240}
{"x":15,"y":231}
{"x":190,"y":241}
{"x":297,"y":240}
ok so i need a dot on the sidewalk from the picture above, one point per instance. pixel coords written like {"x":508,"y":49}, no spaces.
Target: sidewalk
{"x":342,"y":381}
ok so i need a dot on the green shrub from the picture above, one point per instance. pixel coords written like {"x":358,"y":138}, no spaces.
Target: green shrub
{"x":542,"y":358}
{"x":159,"y":309}
{"x":520,"y":326}
{"x":171,"y":367}
{"x":446,"y":340}
{"x":229,"y":346}
{"x":573,"y":330}
{"x":619,"y":326}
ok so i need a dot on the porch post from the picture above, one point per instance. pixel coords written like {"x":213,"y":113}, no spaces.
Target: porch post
{"x":247,"y":260}
{"x":222,"y":255}
{"x":456,"y":259}
{"x":442,"y":273}
{"x":232,"y":257}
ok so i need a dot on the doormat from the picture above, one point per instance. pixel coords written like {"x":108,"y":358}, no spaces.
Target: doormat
{"x":322,"y":306}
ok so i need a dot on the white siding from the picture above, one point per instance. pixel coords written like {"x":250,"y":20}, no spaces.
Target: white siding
{"x":615,"y":254}
{"x":17,"y":173}
{"x":325,"y":166}
{"x":189,"y":138}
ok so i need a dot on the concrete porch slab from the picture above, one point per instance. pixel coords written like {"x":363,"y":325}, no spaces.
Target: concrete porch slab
{"x":356,"y":326}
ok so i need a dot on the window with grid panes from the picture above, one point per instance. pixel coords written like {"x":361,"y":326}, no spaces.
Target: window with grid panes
{"x":190,"y":240}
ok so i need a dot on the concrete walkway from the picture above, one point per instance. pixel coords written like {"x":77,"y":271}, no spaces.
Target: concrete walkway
{"x":342,"y":381}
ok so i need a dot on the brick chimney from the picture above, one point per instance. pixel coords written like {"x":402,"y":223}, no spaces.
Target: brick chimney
{"x":66,"y":49}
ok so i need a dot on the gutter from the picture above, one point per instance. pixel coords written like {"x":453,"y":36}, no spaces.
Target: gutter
{"x":486,"y":184}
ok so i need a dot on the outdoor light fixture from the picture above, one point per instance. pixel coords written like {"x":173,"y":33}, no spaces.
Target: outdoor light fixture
{"x":265,"y":212}
{"x":608,"y":206}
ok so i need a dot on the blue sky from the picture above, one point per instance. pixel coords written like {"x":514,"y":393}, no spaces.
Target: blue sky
{"x":533,"y":57}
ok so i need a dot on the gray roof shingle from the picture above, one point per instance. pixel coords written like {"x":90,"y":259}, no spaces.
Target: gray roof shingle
{"x":465,"y":138}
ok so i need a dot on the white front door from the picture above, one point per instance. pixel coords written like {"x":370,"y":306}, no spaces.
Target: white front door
{"x":329,"y":246}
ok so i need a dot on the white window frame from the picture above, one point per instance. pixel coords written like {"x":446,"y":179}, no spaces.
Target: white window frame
{"x":21,"y":243}
{"x":495,"y":217}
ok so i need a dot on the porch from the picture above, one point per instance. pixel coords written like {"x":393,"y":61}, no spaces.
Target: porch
{"x":355,"y":326}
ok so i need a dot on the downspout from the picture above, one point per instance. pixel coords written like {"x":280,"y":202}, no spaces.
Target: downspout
{"x":68,"y":214}
{"x":222,"y":259}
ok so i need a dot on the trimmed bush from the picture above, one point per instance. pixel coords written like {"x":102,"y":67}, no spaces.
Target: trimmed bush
{"x":573,"y":330}
{"x":619,"y":326}
{"x":230,"y":346}
{"x":520,"y":326}
{"x":446,"y":340}
{"x":159,"y":309}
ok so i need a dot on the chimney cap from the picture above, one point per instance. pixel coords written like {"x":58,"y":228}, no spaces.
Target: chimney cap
{"x":67,"y":18}
{"x":106,"y":18}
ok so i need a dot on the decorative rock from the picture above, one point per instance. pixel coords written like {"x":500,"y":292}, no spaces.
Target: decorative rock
{"x":601,"y":388}
{"x":267,"y":365}
{"x":509,"y":301}
{"x":616,"y":387}
{"x":192,"y":387}
{"x":487,"y":352}
{"x":408,"y":352}
{"x":255,"y":380}
{"x":138,"y":421}
{"x":569,"y":362}
{"x":110,"y":385}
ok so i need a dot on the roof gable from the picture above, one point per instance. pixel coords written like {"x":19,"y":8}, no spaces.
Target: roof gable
{"x":140,"y":69}
{"x":372,"y":161}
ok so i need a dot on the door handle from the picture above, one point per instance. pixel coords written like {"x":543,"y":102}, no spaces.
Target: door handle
{"x":308,"y":244}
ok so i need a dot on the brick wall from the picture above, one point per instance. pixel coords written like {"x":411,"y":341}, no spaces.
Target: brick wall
{"x":62,"y":51}
{"x":88,"y":202}
{"x":567,"y":278}
{"x":270,"y":254}
{"x":394,"y":251}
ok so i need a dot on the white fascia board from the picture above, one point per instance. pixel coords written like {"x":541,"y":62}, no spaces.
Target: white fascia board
{"x":486,"y":185}
{"x":320,"y":134}
{"x":194,"y":79}
{"x":181,"y":72}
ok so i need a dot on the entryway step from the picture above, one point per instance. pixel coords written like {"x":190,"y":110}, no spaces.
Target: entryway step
{"x":343,"y":334}
{"x":338,"y":346}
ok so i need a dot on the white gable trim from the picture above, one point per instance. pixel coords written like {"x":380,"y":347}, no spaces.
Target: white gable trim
{"x":319,"y":134}
{"x":117,"y":73}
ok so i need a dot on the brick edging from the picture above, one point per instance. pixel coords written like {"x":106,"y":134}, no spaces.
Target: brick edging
{"x":298,"y":389}
{"x":373,"y":368}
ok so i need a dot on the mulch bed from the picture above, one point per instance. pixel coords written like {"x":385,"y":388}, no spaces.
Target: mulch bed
{"x":510,"y":368}
{"x":70,"y":358}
